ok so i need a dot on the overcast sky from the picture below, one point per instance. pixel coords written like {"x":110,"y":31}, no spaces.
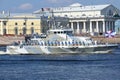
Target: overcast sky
{"x":29,"y":6}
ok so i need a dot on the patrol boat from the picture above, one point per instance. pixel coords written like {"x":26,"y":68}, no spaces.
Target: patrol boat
{"x":59,"y":41}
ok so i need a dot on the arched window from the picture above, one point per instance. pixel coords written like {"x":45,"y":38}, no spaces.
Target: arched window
{"x":16,"y":30}
{"x":83,"y":14}
{"x":24,"y":30}
{"x":65,"y":15}
{"x":32,"y":30}
{"x":110,"y":13}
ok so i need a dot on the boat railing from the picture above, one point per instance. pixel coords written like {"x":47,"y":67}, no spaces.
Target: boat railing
{"x":58,"y":43}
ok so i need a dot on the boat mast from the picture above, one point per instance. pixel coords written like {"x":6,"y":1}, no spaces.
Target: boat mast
{"x":53,"y":20}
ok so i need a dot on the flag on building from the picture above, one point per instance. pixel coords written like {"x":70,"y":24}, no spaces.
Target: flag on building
{"x":45,"y":9}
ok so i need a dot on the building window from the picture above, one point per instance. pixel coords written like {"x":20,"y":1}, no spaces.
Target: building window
{"x":24,"y":30}
{"x":4,"y":23}
{"x":71,"y":16}
{"x":4,"y":31}
{"x":32,"y":30}
{"x":65,"y":15}
{"x":32,"y":23}
{"x":24,"y":23}
{"x":16,"y":24}
{"x":83,"y":15}
{"x":16,"y":30}
{"x":110,"y":13}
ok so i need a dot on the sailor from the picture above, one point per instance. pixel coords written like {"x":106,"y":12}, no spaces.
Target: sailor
{"x":41,"y":43}
{"x":62,"y":43}
{"x":73,"y":42}
{"x":58,"y":43}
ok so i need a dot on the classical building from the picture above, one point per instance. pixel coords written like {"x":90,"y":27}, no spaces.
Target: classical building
{"x":88,"y":19}
{"x":19,"y":24}
{"x":82,"y":19}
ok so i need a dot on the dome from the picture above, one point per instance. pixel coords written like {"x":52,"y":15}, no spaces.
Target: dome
{"x":76,"y":5}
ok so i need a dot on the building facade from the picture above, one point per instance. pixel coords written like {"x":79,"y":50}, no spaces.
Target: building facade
{"x":82,"y":19}
{"x":18,"y":24}
{"x":89,"y":19}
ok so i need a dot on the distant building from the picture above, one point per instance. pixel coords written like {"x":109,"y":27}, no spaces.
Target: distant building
{"x":82,"y":19}
{"x":19,"y":24}
{"x":88,"y":19}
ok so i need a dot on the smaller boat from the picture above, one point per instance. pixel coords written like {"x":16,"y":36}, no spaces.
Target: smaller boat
{"x":59,"y":41}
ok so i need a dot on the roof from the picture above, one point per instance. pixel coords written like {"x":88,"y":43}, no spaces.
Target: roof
{"x":96,"y":7}
{"x":79,"y":7}
{"x":18,"y":15}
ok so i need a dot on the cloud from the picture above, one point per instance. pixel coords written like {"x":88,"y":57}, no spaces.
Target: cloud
{"x":59,"y":1}
{"x":26,"y":6}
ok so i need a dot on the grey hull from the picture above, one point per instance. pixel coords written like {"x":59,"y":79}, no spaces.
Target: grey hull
{"x":68,"y":50}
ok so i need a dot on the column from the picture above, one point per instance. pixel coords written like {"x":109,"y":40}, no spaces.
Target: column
{"x":90,"y":26}
{"x":114,"y":25}
{"x":107,"y":25}
{"x":78,"y":28}
{"x":84,"y":26}
{"x":72,"y":25}
{"x":104,"y":26}
{"x":97,"y":28}
{"x":109,"y":28}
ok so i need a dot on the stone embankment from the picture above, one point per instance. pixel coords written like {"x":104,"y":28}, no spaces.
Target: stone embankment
{"x":107,"y":40}
{"x":6,"y":40}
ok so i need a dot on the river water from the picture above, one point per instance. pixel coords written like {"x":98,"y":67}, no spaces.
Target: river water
{"x":61,"y":67}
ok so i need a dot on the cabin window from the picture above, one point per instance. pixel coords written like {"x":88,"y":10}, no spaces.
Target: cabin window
{"x":55,"y":32}
{"x":83,"y":14}
{"x":62,"y":32}
{"x":58,"y":32}
{"x":65,"y":15}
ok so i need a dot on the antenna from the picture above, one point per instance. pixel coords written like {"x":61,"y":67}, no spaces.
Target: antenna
{"x":53,"y":19}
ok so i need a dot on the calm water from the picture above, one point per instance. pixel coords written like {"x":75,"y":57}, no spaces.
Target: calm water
{"x":61,"y":67}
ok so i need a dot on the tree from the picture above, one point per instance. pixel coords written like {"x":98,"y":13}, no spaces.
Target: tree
{"x":116,"y":15}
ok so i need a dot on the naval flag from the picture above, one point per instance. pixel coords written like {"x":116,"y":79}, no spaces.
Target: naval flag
{"x":110,"y":34}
